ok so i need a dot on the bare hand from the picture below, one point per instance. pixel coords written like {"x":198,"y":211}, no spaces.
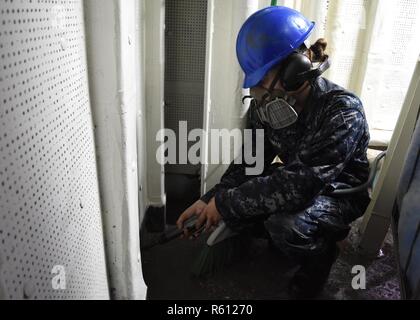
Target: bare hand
{"x":210,"y":216}
{"x":195,"y":209}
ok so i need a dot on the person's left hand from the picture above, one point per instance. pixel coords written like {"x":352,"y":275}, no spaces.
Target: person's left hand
{"x":210,"y":216}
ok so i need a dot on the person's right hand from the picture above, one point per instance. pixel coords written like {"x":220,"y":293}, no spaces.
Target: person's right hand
{"x":195,"y":209}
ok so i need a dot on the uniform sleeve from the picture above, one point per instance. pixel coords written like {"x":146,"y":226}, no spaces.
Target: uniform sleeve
{"x":236,"y":175}
{"x":294,"y":186}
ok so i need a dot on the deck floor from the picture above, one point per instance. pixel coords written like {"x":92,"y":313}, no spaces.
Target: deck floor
{"x":262,"y":274}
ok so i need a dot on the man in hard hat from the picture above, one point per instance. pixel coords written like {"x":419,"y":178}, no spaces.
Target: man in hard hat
{"x":317,"y":129}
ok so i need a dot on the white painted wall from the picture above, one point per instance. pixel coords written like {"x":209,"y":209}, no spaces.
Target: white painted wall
{"x":113,"y":47}
{"x":373,"y":45}
{"x":377,"y":218}
{"x":140,"y":27}
{"x":154,"y":19}
{"x":224,"y":77}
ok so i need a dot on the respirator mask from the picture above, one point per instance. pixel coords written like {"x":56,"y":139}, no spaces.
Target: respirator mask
{"x":275,"y":107}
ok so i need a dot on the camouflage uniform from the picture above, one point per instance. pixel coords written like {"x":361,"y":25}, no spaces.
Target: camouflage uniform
{"x":324,"y":150}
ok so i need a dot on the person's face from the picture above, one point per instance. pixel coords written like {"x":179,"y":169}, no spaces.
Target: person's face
{"x":263,"y":86}
{"x":269,"y":78}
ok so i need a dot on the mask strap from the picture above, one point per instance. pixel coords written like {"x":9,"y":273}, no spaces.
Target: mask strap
{"x":314,"y":73}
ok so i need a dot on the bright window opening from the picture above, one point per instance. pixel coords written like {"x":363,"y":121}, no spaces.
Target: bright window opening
{"x":374,"y":47}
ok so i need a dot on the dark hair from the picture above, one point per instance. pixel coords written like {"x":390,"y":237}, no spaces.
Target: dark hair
{"x":316,"y":51}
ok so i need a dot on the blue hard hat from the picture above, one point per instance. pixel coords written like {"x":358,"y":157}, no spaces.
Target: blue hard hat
{"x":267,"y":37}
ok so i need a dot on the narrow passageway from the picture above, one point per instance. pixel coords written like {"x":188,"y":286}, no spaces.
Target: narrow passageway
{"x":262,"y":274}
{"x":116,"y":116}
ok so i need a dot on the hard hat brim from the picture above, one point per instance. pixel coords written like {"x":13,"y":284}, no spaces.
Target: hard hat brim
{"x":251,"y":80}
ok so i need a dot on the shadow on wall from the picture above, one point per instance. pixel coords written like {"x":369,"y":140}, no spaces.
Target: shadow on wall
{"x":182,"y":190}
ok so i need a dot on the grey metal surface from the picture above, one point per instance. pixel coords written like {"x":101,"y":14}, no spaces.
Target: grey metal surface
{"x":408,"y":208}
{"x":185,"y":53}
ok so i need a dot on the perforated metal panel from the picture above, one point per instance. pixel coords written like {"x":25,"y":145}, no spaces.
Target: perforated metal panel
{"x":185,"y":40}
{"x":344,"y":28}
{"x":49,"y":201}
{"x":374,"y":46}
{"x":185,"y":53}
{"x":185,"y":107}
{"x":399,"y":47}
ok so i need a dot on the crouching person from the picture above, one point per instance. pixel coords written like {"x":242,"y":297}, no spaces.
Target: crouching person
{"x":318,"y":130}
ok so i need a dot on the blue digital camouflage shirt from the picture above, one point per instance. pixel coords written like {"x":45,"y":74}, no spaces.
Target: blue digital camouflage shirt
{"x":325,"y":149}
